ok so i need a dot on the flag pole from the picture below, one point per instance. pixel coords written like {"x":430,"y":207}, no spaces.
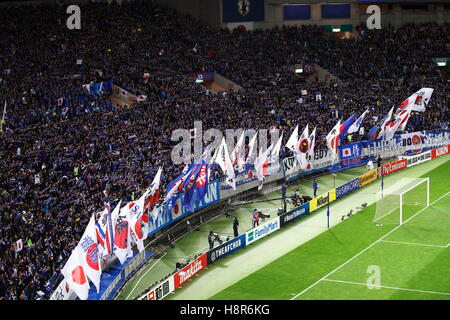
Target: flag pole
{"x":3,"y":118}
{"x":328,"y":211}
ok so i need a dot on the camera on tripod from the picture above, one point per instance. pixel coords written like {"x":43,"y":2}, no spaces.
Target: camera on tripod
{"x":220,"y":239}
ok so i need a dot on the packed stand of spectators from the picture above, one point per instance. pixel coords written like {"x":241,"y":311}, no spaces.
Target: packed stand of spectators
{"x":61,"y":160}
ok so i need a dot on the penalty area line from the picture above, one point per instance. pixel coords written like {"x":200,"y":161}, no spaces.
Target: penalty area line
{"x":370,"y":246}
{"x":386,"y":287}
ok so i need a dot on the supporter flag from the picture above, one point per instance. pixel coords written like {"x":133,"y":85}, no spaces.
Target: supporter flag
{"x":121,"y":227}
{"x":275,"y":153}
{"x":222,"y":158}
{"x":261,"y":164}
{"x":237,"y":156}
{"x":202,"y":182}
{"x":90,"y":254}
{"x":190,"y":187}
{"x":373,"y":133}
{"x":105,"y":86}
{"x":404,"y":115}
{"x":75,"y":275}
{"x":333,"y":138}
{"x":176,"y":210}
{"x":87,"y":87}
{"x":355,"y":126}
{"x":391,"y":128}
{"x":293,"y":140}
{"x":60,"y":101}
{"x":302,"y":149}
{"x":141,"y":98}
{"x":137,"y":222}
{"x":345,"y":126}
{"x":419,"y":100}
{"x":384,"y":123}
{"x":251,"y":149}
{"x":19,"y":245}
{"x":175,"y":186}
{"x":146,"y":76}
{"x":150,"y":202}
{"x":104,"y":232}
{"x":399,"y":123}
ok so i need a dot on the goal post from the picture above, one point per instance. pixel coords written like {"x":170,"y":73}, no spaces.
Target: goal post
{"x":403,"y":200}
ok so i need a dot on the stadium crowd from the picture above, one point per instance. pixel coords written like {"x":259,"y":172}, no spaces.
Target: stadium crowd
{"x":61,"y":160}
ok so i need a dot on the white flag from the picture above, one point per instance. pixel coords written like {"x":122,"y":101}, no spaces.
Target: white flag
{"x":251,"y":148}
{"x":262,"y":163}
{"x":222,"y":158}
{"x":19,"y":245}
{"x":333,"y":138}
{"x":122,"y":237}
{"x":137,"y":223}
{"x":302,"y":149}
{"x":237,"y":156}
{"x":75,"y":274}
{"x":418,"y":100}
{"x":355,"y":126}
{"x":293,"y":140}
{"x":275,"y":154}
{"x":385,"y":122}
{"x":90,"y":255}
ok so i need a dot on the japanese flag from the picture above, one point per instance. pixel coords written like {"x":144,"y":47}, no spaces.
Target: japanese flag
{"x":137,"y":221}
{"x":90,"y":253}
{"x":333,"y":138}
{"x":75,"y":274}
{"x":177,"y":209}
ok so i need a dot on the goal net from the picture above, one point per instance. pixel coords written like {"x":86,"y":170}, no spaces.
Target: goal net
{"x":401,"y":201}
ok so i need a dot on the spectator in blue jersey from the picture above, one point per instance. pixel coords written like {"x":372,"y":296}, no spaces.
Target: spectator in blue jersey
{"x":283,"y":196}
{"x":315,"y":187}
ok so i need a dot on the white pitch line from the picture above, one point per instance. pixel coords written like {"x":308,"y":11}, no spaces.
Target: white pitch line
{"x":144,"y":275}
{"x":388,"y":287}
{"x":416,"y":244}
{"x":370,"y":246}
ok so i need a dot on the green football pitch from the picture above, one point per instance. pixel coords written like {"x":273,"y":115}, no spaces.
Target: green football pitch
{"x":354,"y":259}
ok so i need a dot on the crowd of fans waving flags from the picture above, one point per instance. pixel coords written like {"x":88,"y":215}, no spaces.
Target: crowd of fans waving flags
{"x":113,"y":231}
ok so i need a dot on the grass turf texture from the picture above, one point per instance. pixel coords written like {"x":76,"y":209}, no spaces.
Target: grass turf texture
{"x":404,"y":266}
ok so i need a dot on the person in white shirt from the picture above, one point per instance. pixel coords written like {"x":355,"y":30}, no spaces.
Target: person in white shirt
{"x":369,"y":165}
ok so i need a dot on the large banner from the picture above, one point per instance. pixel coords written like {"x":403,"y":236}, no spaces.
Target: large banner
{"x":351,"y":155}
{"x":263,"y":230}
{"x":411,"y":143}
{"x":242,"y":10}
{"x":294,"y":214}
{"x":322,"y":159}
{"x":190,"y":270}
{"x":368,"y":177}
{"x":160,"y":291}
{"x":165,"y":216}
{"x":392,"y":167}
{"x":226,"y":248}
{"x":419,"y":158}
{"x":347,"y":188}
{"x":439,"y":152}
